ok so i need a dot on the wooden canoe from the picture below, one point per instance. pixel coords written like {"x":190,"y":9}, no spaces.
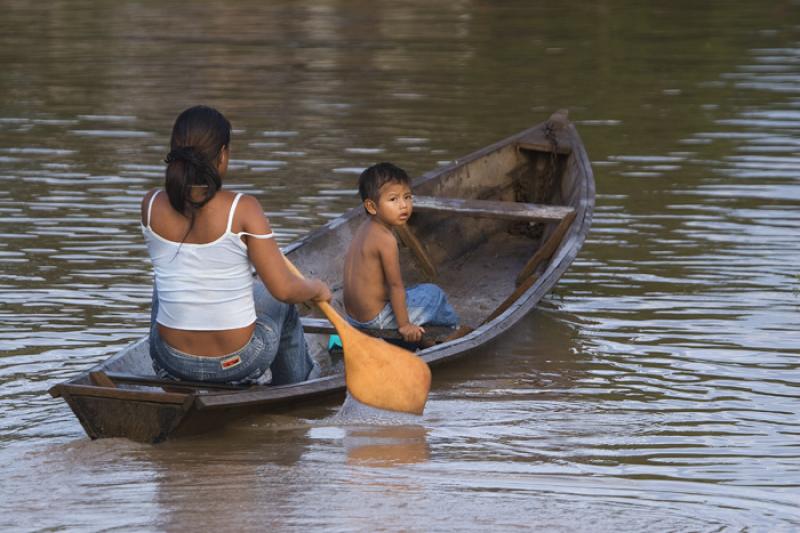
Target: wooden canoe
{"x":496,"y":229}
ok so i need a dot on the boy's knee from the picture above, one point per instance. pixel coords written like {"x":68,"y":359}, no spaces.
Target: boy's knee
{"x":435,"y":292}
{"x":429,"y":288}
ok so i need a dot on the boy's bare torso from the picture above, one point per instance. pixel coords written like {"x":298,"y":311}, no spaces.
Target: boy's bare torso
{"x":365,"y":288}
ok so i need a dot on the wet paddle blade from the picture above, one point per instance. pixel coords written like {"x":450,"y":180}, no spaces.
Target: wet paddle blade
{"x":383,"y":375}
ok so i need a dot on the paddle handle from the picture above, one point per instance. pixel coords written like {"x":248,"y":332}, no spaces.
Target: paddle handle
{"x":331,"y":313}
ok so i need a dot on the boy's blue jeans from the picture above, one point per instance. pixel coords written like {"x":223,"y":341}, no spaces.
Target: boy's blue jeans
{"x":276,"y":353}
{"x":426,"y":303}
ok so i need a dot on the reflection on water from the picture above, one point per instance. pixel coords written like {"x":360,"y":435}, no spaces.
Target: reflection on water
{"x":657,"y":387}
{"x":376,"y":437}
{"x":387,"y":445}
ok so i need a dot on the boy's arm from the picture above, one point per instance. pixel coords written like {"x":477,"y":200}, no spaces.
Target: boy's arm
{"x":390,"y":261}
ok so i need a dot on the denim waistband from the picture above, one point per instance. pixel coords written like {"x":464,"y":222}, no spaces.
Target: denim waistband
{"x":247,"y":365}
{"x":375,"y":323}
{"x":176,"y":352}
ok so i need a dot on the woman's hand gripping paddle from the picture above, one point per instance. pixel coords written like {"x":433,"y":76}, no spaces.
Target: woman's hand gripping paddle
{"x":377,"y":373}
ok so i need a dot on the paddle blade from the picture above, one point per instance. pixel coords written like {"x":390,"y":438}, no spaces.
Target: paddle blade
{"x":383,"y":375}
{"x":377,"y":373}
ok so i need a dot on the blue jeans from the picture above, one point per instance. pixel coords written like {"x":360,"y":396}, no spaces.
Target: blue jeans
{"x":426,"y":304}
{"x":276,"y":353}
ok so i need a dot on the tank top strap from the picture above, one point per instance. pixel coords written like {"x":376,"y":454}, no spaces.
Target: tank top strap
{"x":233,"y":209}
{"x":150,"y":208}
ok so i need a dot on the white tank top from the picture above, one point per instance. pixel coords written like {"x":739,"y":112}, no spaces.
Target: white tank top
{"x":202,"y":286}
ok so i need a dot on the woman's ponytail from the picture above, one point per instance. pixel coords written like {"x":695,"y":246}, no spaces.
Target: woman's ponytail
{"x":199,"y":136}
{"x":187,"y":170}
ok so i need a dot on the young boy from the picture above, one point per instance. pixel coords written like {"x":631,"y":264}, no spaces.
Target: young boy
{"x":374,"y":296}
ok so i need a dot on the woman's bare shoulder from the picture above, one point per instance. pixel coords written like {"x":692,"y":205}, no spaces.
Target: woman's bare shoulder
{"x":146,"y":203}
{"x":249,"y":206}
{"x":149,"y":194}
{"x":250,"y":215}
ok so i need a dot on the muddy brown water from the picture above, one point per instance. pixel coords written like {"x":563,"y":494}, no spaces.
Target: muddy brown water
{"x":656,"y":389}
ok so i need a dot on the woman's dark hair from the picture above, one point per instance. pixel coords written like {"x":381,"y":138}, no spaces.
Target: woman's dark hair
{"x":198,"y":137}
{"x":376,"y":176}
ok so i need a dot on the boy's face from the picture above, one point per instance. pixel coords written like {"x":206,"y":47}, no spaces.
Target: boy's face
{"x":394,"y":206}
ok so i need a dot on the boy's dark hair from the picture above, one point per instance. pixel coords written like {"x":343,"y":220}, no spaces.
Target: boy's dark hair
{"x":376,"y":176}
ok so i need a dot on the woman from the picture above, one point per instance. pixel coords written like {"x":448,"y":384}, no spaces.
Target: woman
{"x":210,"y":320}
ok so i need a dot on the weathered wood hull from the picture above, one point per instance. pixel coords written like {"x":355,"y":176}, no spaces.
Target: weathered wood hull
{"x":496,"y":229}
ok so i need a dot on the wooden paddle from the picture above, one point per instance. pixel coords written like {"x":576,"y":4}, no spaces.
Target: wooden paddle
{"x":377,"y":373}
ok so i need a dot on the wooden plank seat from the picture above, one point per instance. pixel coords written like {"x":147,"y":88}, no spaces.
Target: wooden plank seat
{"x":563,"y":215}
{"x":153,"y":381}
{"x":105,"y":385}
{"x":433,"y":334}
{"x":492,"y":209}
{"x":544,"y":146}
{"x":166,"y":396}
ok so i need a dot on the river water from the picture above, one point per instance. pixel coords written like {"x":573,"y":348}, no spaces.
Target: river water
{"x":656,"y":389}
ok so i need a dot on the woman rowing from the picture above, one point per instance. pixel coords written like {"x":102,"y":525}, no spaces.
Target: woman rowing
{"x":211,"y":319}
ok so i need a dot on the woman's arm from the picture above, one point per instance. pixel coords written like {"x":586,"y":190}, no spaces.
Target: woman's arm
{"x":390,"y":261}
{"x":268,"y":259}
